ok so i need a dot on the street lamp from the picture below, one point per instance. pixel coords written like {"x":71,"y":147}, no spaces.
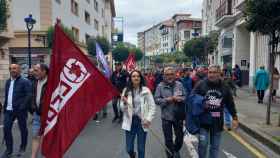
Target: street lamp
{"x":29,"y":25}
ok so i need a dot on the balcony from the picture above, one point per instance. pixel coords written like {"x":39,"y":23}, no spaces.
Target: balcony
{"x":224,"y":14}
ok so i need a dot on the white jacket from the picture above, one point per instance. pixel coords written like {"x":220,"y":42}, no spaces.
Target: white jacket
{"x":148,"y":108}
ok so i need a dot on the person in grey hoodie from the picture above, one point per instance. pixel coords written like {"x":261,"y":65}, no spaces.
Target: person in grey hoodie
{"x":170,"y":96}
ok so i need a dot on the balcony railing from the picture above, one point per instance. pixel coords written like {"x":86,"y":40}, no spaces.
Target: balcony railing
{"x":224,"y":9}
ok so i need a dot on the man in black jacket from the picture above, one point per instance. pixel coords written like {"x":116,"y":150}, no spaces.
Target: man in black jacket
{"x":118,"y":79}
{"x":217,"y":96}
{"x":17,"y":99}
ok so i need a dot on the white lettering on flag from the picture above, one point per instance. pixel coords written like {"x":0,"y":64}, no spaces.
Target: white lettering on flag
{"x":72,"y":77}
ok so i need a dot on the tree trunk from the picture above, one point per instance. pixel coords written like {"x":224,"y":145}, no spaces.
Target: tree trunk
{"x":274,"y":45}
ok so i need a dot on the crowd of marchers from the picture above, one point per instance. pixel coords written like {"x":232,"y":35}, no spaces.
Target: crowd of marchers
{"x":199,"y":99}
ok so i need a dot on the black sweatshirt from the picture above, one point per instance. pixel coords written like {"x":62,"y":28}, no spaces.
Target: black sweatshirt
{"x":217,"y":96}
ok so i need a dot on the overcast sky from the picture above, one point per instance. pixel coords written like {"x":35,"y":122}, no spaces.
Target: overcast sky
{"x":142,"y":14}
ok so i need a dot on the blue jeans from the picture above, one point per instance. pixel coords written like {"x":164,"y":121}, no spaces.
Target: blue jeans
{"x":215,"y":139}
{"x":227,"y":118}
{"x":9,"y":118}
{"x":136,"y":129}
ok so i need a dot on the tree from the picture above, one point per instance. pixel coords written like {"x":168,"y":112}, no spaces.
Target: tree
{"x":138,"y":53}
{"x":102,"y":41}
{"x":214,"y":40}
{"x":197,"y":47}
{"x":3,"y":15}
{"x":120,"y":53}
{"x":50,"y":34}
{"x":263,"y":16}
{"x":158,"y":60}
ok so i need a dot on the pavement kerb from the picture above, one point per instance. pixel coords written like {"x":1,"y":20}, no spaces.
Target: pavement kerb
{"x":269,"y":142}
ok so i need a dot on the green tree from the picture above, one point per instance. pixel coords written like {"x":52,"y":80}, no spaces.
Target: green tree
{"x":158,"y":60}
{"x":263,"y":16}
{"x":102,"y":41}
{"x":120,"y":53}
{"x":3,"y":15}
{"x":196,"y":47}
{"x":50,"y":34}
{"x":214,"y":40}
{"x":138,"y":53}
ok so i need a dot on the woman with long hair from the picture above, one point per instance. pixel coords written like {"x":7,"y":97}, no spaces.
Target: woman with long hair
{"x":139,"y":108}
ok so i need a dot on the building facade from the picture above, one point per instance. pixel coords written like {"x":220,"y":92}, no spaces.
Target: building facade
{"x":170,"y":35}
{"x":86,"y":18}
{"x":237,"y":46}
{"x":167,"y":37}
{"x":140,"y":40}
{"x":152,"y":41}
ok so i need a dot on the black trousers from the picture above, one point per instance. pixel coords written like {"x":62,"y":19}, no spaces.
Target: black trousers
{"x":9,"y":118}
{"x":260,"y":94}
{"x":117,"y":111}
{"x":167,"y":127}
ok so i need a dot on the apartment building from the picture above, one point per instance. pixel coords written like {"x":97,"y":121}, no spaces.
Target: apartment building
{"x":185,"y":29}
{"x":152,"y":40}
{"x":170,"y":35}
{"x":236,"y":44}
{"x":85,"y":17}
{"x":167,"y":36}
{"x":140,"y":40}
{"x":5,"y":38}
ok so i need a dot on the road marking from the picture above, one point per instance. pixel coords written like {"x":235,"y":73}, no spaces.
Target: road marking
{"x":229,"y":155}
{"x":247,"y":145}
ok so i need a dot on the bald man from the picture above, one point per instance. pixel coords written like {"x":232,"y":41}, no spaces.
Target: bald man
{"x":18,"y":93}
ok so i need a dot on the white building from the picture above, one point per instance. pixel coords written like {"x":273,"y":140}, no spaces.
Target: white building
{"x":85,"y":17}
{"x":167,"y":36}
{"x":140,"y":40}
{"x":170,"y":35}
{"x":236,"y":44}
{"x":152,"y":40}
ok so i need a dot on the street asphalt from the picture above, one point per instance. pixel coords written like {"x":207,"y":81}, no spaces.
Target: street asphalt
{"x":106,"y":140}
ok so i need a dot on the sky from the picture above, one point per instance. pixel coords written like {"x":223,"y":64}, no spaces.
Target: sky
{"x":140,"y":15}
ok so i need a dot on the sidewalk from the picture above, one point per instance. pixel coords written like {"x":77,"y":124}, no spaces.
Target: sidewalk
{"x":252,"y":117}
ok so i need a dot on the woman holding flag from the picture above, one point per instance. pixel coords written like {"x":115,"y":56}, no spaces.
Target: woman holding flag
{"x":139,"y":109}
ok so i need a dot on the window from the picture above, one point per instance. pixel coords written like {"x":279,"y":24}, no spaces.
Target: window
{"x":96,"y":5}
{"x":74,"y":7}
{"x":87,"y":36}
{"x":87,"y":17}
{"x":58,"y":1}
{"x":187,"y":35}
{"x":96,"y":24}
{"x":76,"y":33}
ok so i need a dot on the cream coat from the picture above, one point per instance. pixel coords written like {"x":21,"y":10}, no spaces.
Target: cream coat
{"x":148,"y":108}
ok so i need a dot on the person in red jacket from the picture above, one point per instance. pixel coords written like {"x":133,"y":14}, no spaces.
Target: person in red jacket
{"x":150,"y":81}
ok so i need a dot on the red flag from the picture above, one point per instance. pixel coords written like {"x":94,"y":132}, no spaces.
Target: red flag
{"x":130,"y":62}
{"x":76,"y":90}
